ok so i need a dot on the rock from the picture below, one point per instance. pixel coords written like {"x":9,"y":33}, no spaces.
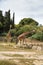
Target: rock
{"x":34,"y":47}
{"x":36,"y":62}
{"x":39,"y":48}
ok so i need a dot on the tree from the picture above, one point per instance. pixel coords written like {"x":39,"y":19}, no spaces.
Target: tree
{"x":38,"y":36}
{"x":13,"y":22}
{"x":28,"y":21}
{"x":1,"y":16}
{"x":25,"y":28}
{"x":1,"y":21}
{"x":7,"y":21}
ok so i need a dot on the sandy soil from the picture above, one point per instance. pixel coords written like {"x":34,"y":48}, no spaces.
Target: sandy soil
{"x":27,"y":55}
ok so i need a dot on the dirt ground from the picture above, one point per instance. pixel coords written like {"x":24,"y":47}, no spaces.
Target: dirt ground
{"x":24,"y":56}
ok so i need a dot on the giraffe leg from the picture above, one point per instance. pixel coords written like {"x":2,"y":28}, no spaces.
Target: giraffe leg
{"x":23,"y":41}
{"x":19,"y":42}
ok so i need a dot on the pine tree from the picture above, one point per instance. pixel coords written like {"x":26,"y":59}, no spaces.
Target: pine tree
{"x":7,"y":20}
{"x":13,"y":22}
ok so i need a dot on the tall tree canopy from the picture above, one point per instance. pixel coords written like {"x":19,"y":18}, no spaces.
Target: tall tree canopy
{"x":6,"y":21}
{"x":28,"y":21}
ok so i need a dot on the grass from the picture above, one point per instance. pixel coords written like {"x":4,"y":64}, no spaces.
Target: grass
{"x":6,"y":62}
{"x":7,"y":46}
{"x":24,"y":61}
{"x":27,"y":61}
{"x":17,"y":62}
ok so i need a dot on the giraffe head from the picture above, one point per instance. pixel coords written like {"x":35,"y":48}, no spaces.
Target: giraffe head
{"x":34,"y":31}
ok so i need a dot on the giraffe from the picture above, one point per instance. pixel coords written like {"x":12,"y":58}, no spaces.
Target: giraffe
{"x":21,"y":38}
{"x":8,"y":37}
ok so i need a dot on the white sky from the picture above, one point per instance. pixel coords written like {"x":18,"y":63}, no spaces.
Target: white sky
{"x":24,"y":9}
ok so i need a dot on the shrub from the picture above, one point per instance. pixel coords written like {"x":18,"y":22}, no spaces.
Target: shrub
{"x":38,"y":36}
{"x":13,"y":32}
{"x":28,"y":21}
{"x":25,"y":28}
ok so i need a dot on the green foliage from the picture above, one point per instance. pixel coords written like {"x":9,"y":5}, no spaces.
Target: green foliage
{"x":26,"y":24}
{"x":1,"y":16}
{"x":5,"y":21}
{"x":3,"y":34}
{"x":28,"y":21}
{"x":5,"y":62}
{"x":1,"y":25}
{"x":13,"y":22}
{"x":25,"y":28}
{"x":13,"y":32}
{"x":17,"y":27}
{"x":38,"y":36}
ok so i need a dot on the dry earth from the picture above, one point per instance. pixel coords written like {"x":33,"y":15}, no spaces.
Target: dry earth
{"x":17,"y":56}
{"x":26,"y":55}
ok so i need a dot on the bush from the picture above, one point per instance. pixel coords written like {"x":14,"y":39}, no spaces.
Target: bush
{"x":13,"y":32}
{"x":25,"y":28}
{"x":28,"y":21}
{"x":3,"y":34}
{"x":38,"y":36}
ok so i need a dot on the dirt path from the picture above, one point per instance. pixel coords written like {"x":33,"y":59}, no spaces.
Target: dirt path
{"x":2,"y":57}
{"x":11,"y":52}
{"x":27,"y":55}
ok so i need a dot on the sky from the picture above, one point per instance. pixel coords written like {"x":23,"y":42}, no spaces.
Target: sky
{"x":24,"y":9}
